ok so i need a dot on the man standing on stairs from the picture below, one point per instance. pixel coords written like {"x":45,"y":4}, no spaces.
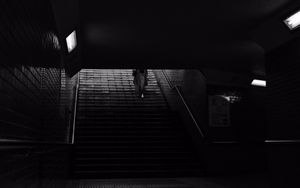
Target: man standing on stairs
{"x":140,"y":81}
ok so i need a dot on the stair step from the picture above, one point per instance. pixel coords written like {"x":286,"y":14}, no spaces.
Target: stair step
{"x":133,"y":100}
{"x":134,"y":136}
{"x":127,"y":140}
{"x":165,"y":158}
{"x":123,"y":114}
{"x":133,"y":133}
{"x":124,"y":126}
{"x":111,"y":166}
{"x":114,"y":102}
{"x":121,"y":110}
{"x":109,"y":122}
{"x":130,"y":113}
{"x":124,"y":143}
{"x":89,"y":157}
{"x":122,"y":148}
{"x":121,"y":92}
{"x":118,"y":108}
{"x":139,"y":161}
{"x":184,"y":156}
{"x":138,"y":117}
{"x":124,"y":120}
{"x":138,"y":174}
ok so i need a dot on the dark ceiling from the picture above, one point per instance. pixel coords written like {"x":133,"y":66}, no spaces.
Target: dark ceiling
{"x":208,"y":34}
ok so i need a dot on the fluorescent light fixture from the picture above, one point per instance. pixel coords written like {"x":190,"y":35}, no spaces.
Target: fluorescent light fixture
{"x":71,"y":41}
{"x":261,"y":83}
{"x":293,"y":21}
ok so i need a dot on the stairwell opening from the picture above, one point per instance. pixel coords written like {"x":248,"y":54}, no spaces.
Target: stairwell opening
{"x":119,"y":135}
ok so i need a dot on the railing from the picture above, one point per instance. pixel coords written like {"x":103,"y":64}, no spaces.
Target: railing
{"x":174,"y":86}
{"x":75,"y":109}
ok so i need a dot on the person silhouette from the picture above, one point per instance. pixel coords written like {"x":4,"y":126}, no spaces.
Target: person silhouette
{"x":140,"y":81}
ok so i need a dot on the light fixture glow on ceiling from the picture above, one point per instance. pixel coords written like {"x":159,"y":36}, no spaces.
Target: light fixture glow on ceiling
{"x":293,"y":21}
{"x":261,"y":83}
{"x":71,"y":41}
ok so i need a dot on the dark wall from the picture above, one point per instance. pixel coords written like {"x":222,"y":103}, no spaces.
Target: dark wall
{"x":239,"y":148}
{"x":247,"y":116}
{"x":30,"y":73}
{"x":247,"y":111}
{"x":283,"y":91}
{"x":283,"y":101}
{"x":193,"y":86}
{"x":31,"y":107}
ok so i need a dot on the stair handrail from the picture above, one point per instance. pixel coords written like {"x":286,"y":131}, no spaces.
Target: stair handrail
{"x":176,"y":87}
{"x":75,"y":109}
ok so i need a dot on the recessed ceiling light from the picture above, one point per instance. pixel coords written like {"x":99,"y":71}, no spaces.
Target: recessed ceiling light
{"x":71,"y":41}
{"x":261,"y":83}
{"x":293,"y":21}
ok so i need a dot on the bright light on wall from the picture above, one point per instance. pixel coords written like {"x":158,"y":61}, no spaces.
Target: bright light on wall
{"x":293,"y":21}
{"x":71,"y":41}
{"x":261,"y":83}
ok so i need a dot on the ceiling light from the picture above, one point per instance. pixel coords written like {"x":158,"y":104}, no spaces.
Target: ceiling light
{"x":71,"y":41}
{"x":293,"y":21}
{"x":261,"y":83}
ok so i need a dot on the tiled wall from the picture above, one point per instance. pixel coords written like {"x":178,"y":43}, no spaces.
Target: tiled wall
{"x":283,"y":84}
{"x":29,"y":72}
{"x":283,"y":106}
{"x":33,"y":105}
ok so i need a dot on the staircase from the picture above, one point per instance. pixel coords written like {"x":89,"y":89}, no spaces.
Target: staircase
{"x":121,"y":136}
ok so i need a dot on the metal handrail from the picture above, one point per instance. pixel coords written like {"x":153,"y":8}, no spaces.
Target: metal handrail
{"x":174,"y":86}
{"x":75,"y":109}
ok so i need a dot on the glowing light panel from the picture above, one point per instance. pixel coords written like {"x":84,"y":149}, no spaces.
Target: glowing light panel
{"x":293,"y":21}
{"x":71,"y":41}
{"x":261,"y":83}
